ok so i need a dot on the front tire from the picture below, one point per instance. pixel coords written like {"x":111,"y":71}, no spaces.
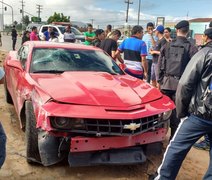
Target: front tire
{"x":7,"y":94}
{"x":31,"y":135}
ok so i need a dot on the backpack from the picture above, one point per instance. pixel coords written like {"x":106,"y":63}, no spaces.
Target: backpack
{"x":176,"y":58}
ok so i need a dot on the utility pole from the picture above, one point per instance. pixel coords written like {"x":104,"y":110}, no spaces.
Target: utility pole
{"x":128,"y":5}
{"x":139,"y":10}
{"x":92,"y":20}
{"x":39,"y":7}
{"x":2,"y":16}
{"x":22,"y":9}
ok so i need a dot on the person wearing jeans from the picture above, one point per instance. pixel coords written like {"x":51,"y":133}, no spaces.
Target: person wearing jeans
{"x":2,"y":133}
{"x":2,"y":145}
{"x":194,"y":107}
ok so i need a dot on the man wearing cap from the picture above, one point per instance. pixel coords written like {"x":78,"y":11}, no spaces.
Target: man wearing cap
{"x":196,"y":119}
{"x":150,"y":41}
{"x":173,"y":60}
{"x":155,"y":52}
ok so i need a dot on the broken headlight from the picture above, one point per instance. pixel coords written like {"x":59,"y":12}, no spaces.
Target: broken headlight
{"x":67,"y":123}
{"x":166,"y":115}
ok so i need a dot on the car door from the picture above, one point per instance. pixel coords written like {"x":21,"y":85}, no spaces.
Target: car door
{"x":20,"y":86}
{"x":60,"y":35}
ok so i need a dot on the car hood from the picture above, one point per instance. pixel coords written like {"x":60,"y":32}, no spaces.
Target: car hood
{"x":96,"y":88}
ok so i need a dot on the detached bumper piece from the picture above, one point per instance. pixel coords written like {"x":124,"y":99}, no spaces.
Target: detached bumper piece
{"x":133,"y":155}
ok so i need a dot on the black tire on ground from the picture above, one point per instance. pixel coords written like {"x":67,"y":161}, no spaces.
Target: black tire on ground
{"x":7,"y":94}
{"x":31,"y":135}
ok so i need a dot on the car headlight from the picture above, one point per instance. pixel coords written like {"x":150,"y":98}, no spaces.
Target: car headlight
{"x":67,"y":123}
{"x":166,"y":115}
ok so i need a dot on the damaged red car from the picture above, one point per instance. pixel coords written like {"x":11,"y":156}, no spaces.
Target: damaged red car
{"x":74,"y":101}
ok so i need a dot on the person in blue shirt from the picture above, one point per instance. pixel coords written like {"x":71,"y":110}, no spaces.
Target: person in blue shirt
{"x":47,"y":33}
{"x":150,"y":41}
{"x":135,"y":51}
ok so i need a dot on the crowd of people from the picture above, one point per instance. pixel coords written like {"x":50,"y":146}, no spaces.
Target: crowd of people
{"x":178,"y":68}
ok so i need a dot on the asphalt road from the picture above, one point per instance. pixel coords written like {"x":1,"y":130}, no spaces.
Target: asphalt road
{"x":7,"y":43}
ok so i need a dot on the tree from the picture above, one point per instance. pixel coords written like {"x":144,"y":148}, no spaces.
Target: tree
{"x":15,"y":23}
{"x":26,"y":20}
{"x":58,"y":17}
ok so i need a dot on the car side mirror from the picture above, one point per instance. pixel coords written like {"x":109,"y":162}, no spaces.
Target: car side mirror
{"x":15,"y":64}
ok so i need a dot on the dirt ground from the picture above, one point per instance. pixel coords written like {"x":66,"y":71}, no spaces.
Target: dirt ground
{"x":16,"y":167}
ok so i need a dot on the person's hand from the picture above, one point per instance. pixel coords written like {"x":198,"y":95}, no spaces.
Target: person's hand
{"x":145,"y":75}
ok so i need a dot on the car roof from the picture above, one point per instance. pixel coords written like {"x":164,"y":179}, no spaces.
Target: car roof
{"x":47,"y":44}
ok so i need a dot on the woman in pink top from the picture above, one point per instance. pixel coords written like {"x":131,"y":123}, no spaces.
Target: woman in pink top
{"x":33,"y":34}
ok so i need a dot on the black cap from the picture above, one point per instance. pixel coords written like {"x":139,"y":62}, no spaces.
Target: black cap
{"x":210,"y":25}
{"x":182,"y":24}
{"x":208,"y":32}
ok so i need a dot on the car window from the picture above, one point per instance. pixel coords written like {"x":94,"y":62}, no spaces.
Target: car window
{"x":55,"y":30}
{"x":62,"y":29}
{"x":59,"y":60}
{"x":44,"y":29}
{"x":23,"y":54}
{"x":76,"y":31}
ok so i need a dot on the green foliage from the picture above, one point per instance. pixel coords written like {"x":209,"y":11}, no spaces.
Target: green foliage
{"x":26,"y":20}
{"x":58,"y":17}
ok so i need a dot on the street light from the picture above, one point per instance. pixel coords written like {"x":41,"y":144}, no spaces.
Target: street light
{"x":10,"y":7}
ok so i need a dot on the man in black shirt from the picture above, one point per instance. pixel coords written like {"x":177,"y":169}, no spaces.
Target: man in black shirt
{"x":14,"y":37}
{"x":159,"y":30}
{"x":174,"y":57}
{"x":110,"y":44}
{"x":100,"y":36}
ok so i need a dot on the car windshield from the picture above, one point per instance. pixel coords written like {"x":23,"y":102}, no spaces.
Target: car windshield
{"x":59,"y":60}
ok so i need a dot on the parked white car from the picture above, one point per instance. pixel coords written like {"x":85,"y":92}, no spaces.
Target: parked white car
{"x":60,"y":31}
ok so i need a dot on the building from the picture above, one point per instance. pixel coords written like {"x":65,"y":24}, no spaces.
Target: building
{"x":198,"y":27}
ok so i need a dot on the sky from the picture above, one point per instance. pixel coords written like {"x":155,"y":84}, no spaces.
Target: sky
{"x":112,"y":11}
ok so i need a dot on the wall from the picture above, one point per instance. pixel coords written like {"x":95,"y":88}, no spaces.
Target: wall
{"x":198,"y":27}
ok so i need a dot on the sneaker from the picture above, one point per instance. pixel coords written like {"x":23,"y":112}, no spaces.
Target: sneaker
{"x":202,"y":145}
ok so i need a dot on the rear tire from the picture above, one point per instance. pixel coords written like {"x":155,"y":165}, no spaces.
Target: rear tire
{"x":31,"y":135}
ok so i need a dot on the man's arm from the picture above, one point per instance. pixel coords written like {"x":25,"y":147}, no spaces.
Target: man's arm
{"x":188,"y":84}
{"x":144,"y":64}
{"x":90,"y":39}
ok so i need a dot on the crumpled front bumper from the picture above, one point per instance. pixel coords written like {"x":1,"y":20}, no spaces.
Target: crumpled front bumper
{"x":85,"y":144}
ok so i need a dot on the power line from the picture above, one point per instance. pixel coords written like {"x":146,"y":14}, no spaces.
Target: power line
{"x":128,"y":5}
{"x":39,"y":7}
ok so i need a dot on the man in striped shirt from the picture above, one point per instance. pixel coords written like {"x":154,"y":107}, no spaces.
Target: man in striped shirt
{"x":135,"y":51}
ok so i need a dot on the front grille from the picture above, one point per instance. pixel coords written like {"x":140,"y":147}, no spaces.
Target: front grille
{"x":101,"y":127}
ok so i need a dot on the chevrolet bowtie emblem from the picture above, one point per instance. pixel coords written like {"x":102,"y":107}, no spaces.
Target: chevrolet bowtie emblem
{"x":132,"y":126}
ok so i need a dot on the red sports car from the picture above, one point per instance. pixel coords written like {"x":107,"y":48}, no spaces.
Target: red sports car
{"x":73,"y":101}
